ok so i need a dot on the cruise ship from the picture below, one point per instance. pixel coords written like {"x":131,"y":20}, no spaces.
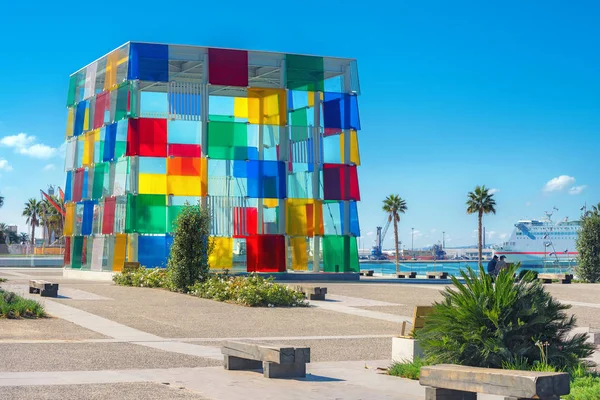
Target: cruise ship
{"x":539,"y":243}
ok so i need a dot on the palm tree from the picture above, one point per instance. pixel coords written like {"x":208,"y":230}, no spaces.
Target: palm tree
{"x":394,"y":205}
{"x":480,"y":202}
{"x":595,"y":211}
{"x":32,"y":212}
{"x":23,"y":238}
{"x":1,"y":201}
{"x":3,"y":233}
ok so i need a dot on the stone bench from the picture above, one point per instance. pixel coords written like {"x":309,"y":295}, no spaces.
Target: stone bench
{"x":367,"y":273}
{"x":277,"y":361}
{"x":548,"y":278}
{"x":311,"y":292}
{"x":411,"y":274}
{"x":457,"y":382}
{"x":44,"y":288}
{"x":439,"y":275}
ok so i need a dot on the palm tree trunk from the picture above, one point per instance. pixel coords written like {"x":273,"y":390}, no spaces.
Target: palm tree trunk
{"x":396,"y":241}
{"x":479,"y":244}
{"x":32,"y":233}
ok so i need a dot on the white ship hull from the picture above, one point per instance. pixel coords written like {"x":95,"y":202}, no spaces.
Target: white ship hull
{"x":538,"y":259}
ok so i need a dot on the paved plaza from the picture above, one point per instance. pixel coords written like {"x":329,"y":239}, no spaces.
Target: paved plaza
{"x":104,"y":341}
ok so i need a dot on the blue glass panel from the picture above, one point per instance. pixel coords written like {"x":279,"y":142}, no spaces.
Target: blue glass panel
{"x":354,"y":225}
{"x":88,"y":216}
{"x":153,"y":165}
{"x":240,"y":169}
{"x":266,"y":179}
{"x":110,"y":139}
{"x":153,"y":250}
{"x":79,"y":118}
{"x":340,"y":111}
{"x":69,"y":187}
{"x":184,"y":132}
{"x":148,"y":62}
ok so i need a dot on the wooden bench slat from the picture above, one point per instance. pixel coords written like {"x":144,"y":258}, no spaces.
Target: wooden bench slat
{"x":520,"y":384}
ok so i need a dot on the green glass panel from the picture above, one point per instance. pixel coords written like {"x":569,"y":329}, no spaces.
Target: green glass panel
{"x":122,"y":101}
{"x":76,"y":252}
{"x":304,"y":73}
{"x":299,"y":117}
{"x":72,"y":90}
{"x":146,"y":213}
{"x":227,"y":141}
{"x":221,"y":118}
{"x":340,"y":254}
{"x":172,"y":214}
{"x":99,"y":173}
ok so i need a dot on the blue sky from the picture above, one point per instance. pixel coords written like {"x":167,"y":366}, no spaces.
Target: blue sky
{"x":454,"y":94}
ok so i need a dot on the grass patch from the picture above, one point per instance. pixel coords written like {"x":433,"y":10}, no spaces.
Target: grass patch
{"x":13,"y":306}
{"x":3,"y":280}
{"x":252,"y":290}
{"x":408,"y":370}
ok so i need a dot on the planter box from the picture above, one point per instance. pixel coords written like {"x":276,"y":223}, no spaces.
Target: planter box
{"x":405,"y":349}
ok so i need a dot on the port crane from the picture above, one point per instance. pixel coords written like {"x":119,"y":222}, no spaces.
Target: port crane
{"x":376,"y":250}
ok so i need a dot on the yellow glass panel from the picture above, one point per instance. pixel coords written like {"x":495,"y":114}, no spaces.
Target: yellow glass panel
{"x":222,"y":254}
{"x":240,"y":107}
{"x":271,"y":203}
{"x":152,"y":184}
{"x":299,"y":254}
{"x":178,"y":185}
{"x":111,"y":70}
{"x":354,"y":153}
{"x":69,"y":219}
{"x":311,"y":99}
{"x":86,"y":120}
{"x":267,"y":106}
{"x":70,"y":121}
{"x":296,"y":221}
{"x":88,"y":149}
{"x":120,"y":251}
{"x":132,"y":247}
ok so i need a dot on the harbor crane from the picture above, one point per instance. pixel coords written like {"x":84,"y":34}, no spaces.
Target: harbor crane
{"x":376,"y":250}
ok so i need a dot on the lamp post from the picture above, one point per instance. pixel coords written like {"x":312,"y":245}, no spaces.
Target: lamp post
{"x":443,"y":240}
{"x":413,"y":241}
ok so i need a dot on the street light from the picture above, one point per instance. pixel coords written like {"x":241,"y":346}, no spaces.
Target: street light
{"x":443,"y":240}
{"x":413,"y":241}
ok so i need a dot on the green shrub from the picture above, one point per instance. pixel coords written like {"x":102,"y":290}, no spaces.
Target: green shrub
{"x":409,"y":370}
{"x":188,"y":259}
{"x":483,"y":324}
{"x":524,"y":272}
{"x":143,"y":277}
{"x":584,"y":388}
{"x":3,"y":280}
{"x":14,"y":306}
{"x":252,"y":290}
{"x":588,"y":247}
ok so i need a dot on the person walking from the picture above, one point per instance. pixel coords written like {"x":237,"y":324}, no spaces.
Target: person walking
{"x":491,"y":267}
{"x":501,"y":264}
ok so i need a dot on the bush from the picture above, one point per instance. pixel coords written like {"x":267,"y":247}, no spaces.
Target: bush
{"x":144,"y":277}
{"x":188,"y":259}
{"x":409,"y":370}
{"x":252,"y":290}
{"x":584,"y":388}
{"x":13,"y":306}
{"x":588,"y":247}
{"x":482,"y":324}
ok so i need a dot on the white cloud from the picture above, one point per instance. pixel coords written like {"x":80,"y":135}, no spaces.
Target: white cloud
{"x":49,"y":167}
{"x":369,"y":233}
{"x":5,"y":166}
{"x":559,"y":183}
{"x":433,"y":230}
{"x":490,"y":234}
{"x":25,"y":144}
{"x":416,"y":233}
{"x":503,"y":236}
{"x":493,"y":191}
{"x":577,"y":189}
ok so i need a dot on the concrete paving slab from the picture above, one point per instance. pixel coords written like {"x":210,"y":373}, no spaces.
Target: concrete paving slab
{"x":44,"y":329}
{"x":121,"y":391}
{"x":92,"y":357}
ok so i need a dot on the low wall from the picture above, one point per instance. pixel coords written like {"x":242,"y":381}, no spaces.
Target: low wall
{"x":31,"y":261}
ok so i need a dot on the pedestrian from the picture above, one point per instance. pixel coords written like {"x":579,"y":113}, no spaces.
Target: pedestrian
{"x":501,"y":264}
{"x":491,"y":267}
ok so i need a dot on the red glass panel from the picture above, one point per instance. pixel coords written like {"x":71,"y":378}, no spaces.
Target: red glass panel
{"x":340,"y":182}
{"x":78,"y":184}
{"x":245,"y":222}
{"x":67,"y":256}
{"x":185,"y":150}
{"x":265,"y":253}
{"x":102,"y":105}
{"x":228,"y":67}
{"x":108,"y":219}
{"x":147,"y":137}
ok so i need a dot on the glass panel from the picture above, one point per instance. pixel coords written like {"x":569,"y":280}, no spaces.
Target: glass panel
{"x":227,"y":141}
{"x":154,"y":105}
{"x":148,"y":62}
{"x":267,"y":106}
{"x":222,"y":254}
{"x":184,"y":132}
{"x":266,"y":253}
{"x":147,"y":137}
{"x":304,"y":72}
{"x":228,"y":67}
{"x":299,"y":253}
{"x":153,"y":250}
{"x":340,"y":254}
{"x":146,"y":213}
{"x":340,"y":110}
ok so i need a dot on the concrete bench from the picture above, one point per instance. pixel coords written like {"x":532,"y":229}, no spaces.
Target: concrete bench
{"x":44,"y":288}
{"x":548,"y":278}
{"x":367,"y":273}
{"x":277,"y":361}
{"x":457,"y":382}
{"x":311,"y":292}
{"x":411,"y":274}
{"x":439,"y":275}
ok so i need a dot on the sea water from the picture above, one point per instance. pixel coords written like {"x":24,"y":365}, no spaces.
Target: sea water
{"x":452,"y":268}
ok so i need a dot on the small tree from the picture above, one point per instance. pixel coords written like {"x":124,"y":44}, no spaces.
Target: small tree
{"x":188,"y":260}
{"x":588,"y":246}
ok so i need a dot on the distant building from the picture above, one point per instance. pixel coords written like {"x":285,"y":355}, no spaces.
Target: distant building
{"x":13,"y":228}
